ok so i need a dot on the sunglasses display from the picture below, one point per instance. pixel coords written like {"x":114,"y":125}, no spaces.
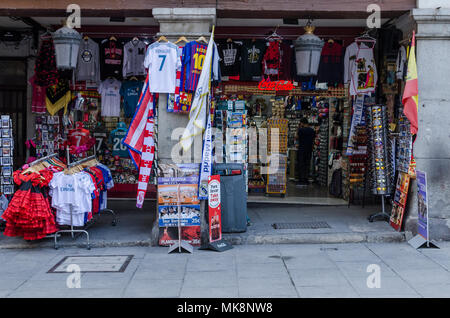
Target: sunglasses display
{"x":380,"y":151}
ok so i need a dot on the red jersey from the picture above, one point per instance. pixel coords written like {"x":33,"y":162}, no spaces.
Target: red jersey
{"x":78,"y":137}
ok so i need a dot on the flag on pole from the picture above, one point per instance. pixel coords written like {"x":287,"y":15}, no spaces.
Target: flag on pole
{"x":140,"y":140}
{"x":200,"y":104}
{"x":411,"y":93}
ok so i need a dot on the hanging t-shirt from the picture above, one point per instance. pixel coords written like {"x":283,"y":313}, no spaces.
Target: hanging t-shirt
{"x":110,"y":91}
{"x":130,"y":91}
{"x":286,"y":60}
{"x":252,"y":53}
{"x":111,"y":53}
{"x":230,"y":55}
{"x":115,"y":139}
{"x":88,"y":65}
{"x":349,"y":60}
{"x":364,"y":72}
{"x":272,"y":59}
{"x":133,"y":58}
{"x":193,"y":57}
{"x":331,"y":67}
{"x":162,"y":60}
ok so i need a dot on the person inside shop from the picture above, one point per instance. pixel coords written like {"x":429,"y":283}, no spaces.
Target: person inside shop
{"x":304,"y":140}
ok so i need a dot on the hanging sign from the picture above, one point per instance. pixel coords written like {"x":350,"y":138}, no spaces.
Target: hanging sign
{"x":267,"y":85}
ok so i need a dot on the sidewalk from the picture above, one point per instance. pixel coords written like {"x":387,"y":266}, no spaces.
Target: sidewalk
{"x":345,"y":225}
{"x":310,"y":270}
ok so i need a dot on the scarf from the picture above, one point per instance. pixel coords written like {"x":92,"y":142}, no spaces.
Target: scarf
{"x":140,"y":140}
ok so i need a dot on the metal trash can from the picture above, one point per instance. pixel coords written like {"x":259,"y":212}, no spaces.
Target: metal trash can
{"x":233,"y":197}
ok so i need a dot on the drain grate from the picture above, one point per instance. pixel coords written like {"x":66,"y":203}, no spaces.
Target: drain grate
{"x":301,"y":225}
{"x":94,"y":264}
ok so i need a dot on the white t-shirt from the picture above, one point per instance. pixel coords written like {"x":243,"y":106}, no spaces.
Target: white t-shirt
{"x":72,"y":191}
{"x":162,"y":60}
{"x":110,"y":91}
{"x":363,"y":72}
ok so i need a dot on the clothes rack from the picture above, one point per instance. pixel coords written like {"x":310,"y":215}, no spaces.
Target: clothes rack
{"x":72,"y":231}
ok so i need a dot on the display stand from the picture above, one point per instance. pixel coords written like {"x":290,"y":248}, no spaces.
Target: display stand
{"x":422,"y":238}
{"x":180,"y":246}
{"x":380,"y":157}
{"x":72,"y":231}
{"x":380,"y":215}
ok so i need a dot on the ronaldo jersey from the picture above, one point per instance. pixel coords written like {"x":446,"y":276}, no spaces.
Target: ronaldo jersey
{"x":162,"y":60}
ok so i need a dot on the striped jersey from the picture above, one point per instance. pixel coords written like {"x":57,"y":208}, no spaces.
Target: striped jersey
{"x":193,"y":57}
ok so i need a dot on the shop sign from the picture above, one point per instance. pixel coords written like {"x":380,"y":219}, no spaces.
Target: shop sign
{"x":268,"y":85}
{"x":215,"y":221}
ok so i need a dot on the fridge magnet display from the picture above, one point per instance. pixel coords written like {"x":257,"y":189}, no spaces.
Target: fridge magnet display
{"x":8,"y":189}
{"x":6,"y":180}
{"x":5,"y":122}
{"x":6,"y":133}
{"x":6,"y":142}
{"x":7,"y":171}
{"x":6,"y":161}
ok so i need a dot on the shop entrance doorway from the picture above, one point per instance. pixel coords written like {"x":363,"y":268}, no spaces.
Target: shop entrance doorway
{"x":13,"y":102}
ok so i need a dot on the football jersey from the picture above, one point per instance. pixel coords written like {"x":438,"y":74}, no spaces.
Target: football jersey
{"x":118,"y":148}
{"x":78,"y":137}
{"x":162,"y":60}
{"x":110,"y":91}
{"x":100,"y":141}
{"x":130,"y":91}
{"x":193,"y":57}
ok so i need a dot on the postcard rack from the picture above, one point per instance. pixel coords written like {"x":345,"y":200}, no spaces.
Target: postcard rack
{"x":72,"y":231}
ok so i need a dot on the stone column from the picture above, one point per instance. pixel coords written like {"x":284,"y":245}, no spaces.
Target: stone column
{"x":432,"y":146}
{"x":174,"y":23}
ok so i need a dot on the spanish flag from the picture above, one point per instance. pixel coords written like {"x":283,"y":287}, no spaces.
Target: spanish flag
{"x":411,"y":93}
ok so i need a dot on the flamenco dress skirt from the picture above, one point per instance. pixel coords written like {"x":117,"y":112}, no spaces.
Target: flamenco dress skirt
{"x":29,"y":213}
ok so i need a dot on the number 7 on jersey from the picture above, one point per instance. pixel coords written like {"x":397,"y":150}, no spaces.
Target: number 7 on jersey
{"x":163,"y":59}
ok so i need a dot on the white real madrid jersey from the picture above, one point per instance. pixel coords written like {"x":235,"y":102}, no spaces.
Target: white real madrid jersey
{"x":162,"y":60}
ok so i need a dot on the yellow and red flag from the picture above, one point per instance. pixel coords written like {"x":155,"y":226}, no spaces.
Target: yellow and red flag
{"x":411,"y":93}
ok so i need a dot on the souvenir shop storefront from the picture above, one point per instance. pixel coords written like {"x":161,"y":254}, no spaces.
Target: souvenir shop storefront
{"x":307,"y":112}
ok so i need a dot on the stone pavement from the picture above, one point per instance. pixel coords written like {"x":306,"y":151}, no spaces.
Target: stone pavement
{"x":284,"y":270}
{"x":346,"y":225}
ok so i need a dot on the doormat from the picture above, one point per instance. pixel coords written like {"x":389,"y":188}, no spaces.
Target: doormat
{"x":94,"y":263}
{"x":301,"y":225}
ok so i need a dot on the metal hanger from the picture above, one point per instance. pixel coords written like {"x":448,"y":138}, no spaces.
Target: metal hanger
{"x":274,"y":35}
